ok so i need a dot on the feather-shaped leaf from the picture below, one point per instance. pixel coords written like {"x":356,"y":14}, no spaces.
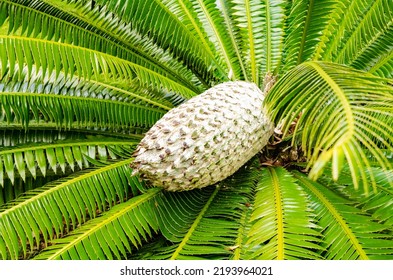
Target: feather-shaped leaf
{"x":111,"y":235}
{"x":68,"y":111}
{"x":344,"y":19}
{"x":62,"y":153}
{"x":71,"y":200}
{"x":367,"y":41}
{"x":86,"y":63}
{"x":282,"y":226}
{"x":174,"y":37}
{"x":306,"y":21}
{"x":205,"y":224}
{"x":212,"y":21}
{"x":341,"y":113}
{"x":349,"y":233}
{"x":92,"y":28}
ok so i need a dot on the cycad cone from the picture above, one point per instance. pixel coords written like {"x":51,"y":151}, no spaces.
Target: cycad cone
{"x":205,"y":139}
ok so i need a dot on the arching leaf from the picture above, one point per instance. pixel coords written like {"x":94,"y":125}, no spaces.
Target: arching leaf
{"x":282,"y":225}
{"x":110,"y":236}
{"x":62,"y":205}
{"x":341,"y":113}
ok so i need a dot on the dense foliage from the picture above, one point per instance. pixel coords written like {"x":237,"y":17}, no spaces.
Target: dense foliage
{"x":81,"y":81}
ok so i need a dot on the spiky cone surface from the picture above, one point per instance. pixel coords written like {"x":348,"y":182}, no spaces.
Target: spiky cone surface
{"x":205,"y":139}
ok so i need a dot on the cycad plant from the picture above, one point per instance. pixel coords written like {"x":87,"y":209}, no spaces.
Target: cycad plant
{"x":82,"y":81}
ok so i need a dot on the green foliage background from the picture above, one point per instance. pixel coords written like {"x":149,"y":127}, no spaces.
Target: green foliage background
{"x":82,"y":81}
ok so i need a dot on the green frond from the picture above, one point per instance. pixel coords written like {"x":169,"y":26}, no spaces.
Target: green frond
{"x":345,"y":18}
{"x":205,"y":224}
{"x":212,"y":20}
{"x":12,"y":190}
{"x":349,"y":233}
{"x":377,"y":204}
{"x":260,"y":25}
{"x":112,"y":235}
{"x":184,"y":10}
{"x":369,"y":35}
{"x":339,"y":14}
{"x":62,"y":205}
{"x":383,"y":66}
{"x":87,"y":64}
{"x":341,"y":113}
{"x":41,"y":21}
{"x":131,"y":133}
{"x":23,"y":160}
{"x":14,"y":137}
{"x":81,"y":82}
{"x":376,"y":55}
{"x":306,"y":21}
{"x":282,"y":225}
{"x":66,"y":111}
{"x":174,"y":37}
{"x":234,"y":35}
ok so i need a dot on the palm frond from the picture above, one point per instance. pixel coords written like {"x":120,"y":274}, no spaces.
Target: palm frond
{"x":234,"y":34}
{"x":174,"y":37}
{"x":59,"y":206}
{"x":260,"y":24}
{"x":282,"y":225}
{"x":212,"y":21}
{"x":339,"y":14}
{"x":131,"y":133}
{"x":383,"y":66}
{"x":344,"y":20}
{"x":88,"y":64}
{"x":99,"y":29}
{"x":341,"y":112}
{"x":369,"y":35}
{"x":376,"y":55}
{"x":185,"y":11}
{"x":12,"y":190}
{"x":205,"y":224}
{"x":306,"y":21}
{"x":22,"y":14}
{"x":349,"y":233}
{"x":24,"y":159}
{"x":112,"y":235}
{"x":377,"y":204}
{"x":66,"y":111}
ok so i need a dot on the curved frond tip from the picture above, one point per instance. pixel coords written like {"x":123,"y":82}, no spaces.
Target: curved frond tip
{"x":341,"y":115}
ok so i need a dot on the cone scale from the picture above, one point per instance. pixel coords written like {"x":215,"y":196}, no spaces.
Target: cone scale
{"x":205,"y":139}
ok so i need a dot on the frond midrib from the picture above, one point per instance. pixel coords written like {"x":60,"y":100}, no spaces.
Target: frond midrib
{"x":279,"y":214}
{"x":219,"y":39}
{"x":305,"y":29}
{"x":333,"y":211}
{"x":268,"y":38}
{"x":34,"y":125}
{"x":69,"y":97}
{"x":233,"y":40}
{"x":131,"y":65}
{"x":108,"y":219}
{"x":195,"y":224}
{"x":87,"y":142}
{"x":65,"y":183}
{"x":343,"y":99}
{"x":254,"y":71}
{"x":381,"y":62}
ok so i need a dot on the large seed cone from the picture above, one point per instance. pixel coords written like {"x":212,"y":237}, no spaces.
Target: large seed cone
{"x":206,"y":139}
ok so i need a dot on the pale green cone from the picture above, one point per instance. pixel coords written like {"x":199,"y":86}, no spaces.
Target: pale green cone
{"x":205,"y":139}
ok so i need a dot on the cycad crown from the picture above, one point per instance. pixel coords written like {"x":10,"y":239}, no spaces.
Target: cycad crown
{"x":206,"y":139}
